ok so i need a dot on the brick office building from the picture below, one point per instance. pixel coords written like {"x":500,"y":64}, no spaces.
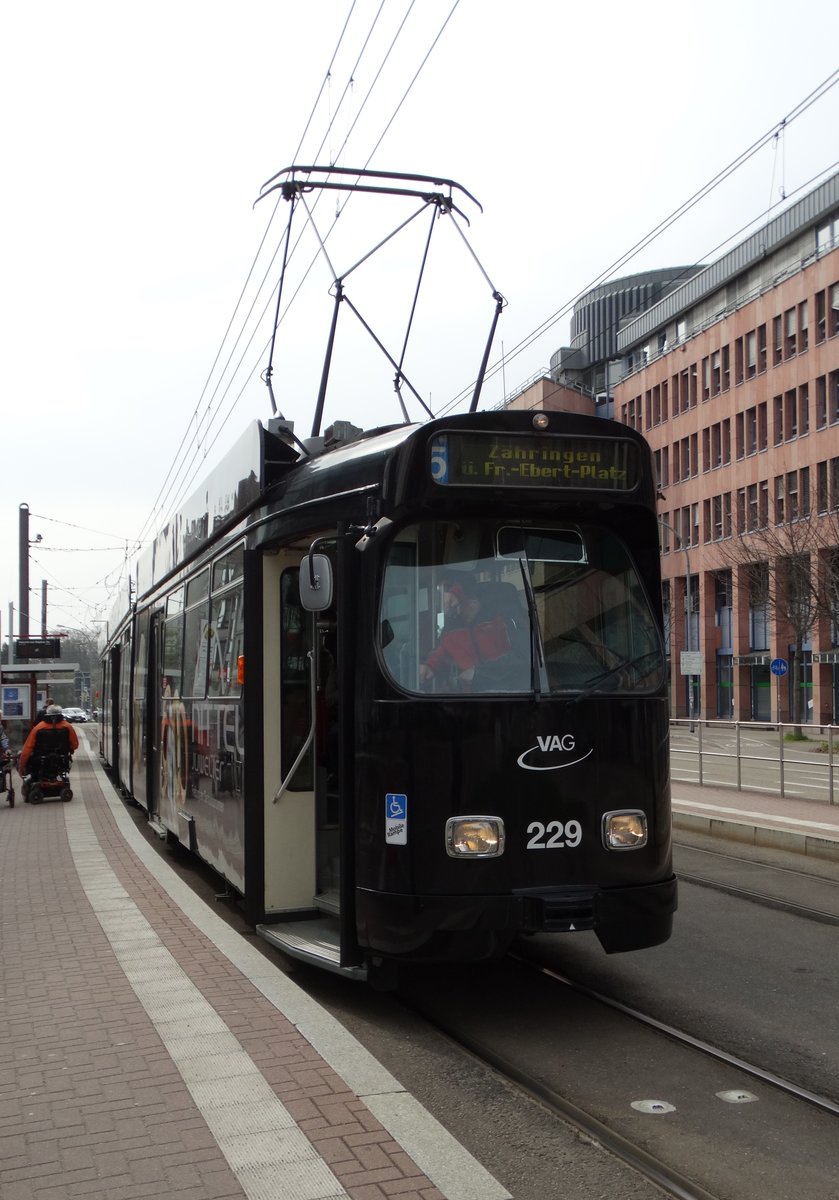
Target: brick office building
{"x":731,"y":371}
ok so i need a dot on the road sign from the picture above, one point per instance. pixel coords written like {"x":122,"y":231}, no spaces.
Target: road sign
{"x":779,"y":666}
{"x":691,"y":662}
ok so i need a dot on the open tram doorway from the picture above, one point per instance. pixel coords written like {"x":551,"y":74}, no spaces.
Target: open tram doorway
{"x":302,"y":803}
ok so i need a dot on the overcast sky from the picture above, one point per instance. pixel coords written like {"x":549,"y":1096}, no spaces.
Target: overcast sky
{"x":136,"y":139}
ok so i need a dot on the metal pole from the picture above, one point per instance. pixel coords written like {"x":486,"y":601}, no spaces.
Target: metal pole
{"x":830,"y":764}
{"x":23,"y":610}
{"x":688,"y":639}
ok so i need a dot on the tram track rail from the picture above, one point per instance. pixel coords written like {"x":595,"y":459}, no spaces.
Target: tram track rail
{"x":648,"y":1165}
{"x":775,"y":902}
{"x":787,"y":1086}
{"x":784,"y":881}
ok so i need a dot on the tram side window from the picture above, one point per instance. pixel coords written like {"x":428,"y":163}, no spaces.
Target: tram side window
{"x":225,"y":642}
{"x":229,"y":568}
{"x":195,"y":636}
{"x":405,"y":606}
{"x":173,"y":645}
{"x":295,"y":710}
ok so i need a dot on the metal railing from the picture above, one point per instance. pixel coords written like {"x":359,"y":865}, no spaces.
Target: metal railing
{"x":788,"y":760}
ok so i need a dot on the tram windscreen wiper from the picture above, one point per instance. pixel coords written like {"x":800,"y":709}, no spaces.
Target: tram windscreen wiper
{"x":537,"y":657}
{"x":625,"y":664}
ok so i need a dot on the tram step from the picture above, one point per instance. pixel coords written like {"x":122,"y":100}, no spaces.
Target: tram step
{"x":316,"y":941}
{"x":328,"y":902}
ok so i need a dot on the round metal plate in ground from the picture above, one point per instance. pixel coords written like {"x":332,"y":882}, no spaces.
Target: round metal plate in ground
{"x":653,"y":1106}
{"x":736,"y":1097}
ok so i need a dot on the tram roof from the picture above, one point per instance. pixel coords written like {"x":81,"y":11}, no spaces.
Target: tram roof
{"x":261,"y":459}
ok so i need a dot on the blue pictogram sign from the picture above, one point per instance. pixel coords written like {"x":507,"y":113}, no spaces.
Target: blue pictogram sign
{"x":779,"y":666}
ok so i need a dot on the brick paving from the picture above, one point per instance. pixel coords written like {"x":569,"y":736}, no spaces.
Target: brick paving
{"x":92,"y":1103}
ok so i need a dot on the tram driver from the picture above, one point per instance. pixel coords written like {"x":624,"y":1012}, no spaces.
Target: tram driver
{"x":472,"y":635}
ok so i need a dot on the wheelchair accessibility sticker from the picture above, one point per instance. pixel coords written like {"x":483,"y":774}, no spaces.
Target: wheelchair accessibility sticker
{"x":396,"y":819}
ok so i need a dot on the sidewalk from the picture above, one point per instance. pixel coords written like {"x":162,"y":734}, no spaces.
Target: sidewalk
{"x":758,"y":819}
{"x":147,"y":1050}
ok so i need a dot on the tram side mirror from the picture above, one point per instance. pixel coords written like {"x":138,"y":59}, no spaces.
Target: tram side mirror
{"x":316,"y":583}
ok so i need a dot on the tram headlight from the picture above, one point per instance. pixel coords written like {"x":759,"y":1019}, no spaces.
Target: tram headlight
{"x":474,"y":837}
{"x":624,"y":830}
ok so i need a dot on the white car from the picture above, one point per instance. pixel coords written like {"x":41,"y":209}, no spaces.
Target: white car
{"x":74,"y":714}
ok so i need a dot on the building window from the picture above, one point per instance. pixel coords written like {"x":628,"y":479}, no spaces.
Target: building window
{"x":825,"y":237}
{"x":761,"y":348}
{"x":738,"y":360}
{"x":778,"y":421}
{"x":779,"y":500}
{"x":820,"y":317}
{"x":739,"y":436}
{"x":751,"y":355}
{"x":716,"y":445}
{"x":804,"y":409}
{"x":803,"y":331}
{"x":790,"y":332}
{"x":790,"y":415}
{"x":792,"y":496}
{"x":804,"y":491}
{"x":821,"y":402}
{"x":762,"y":427}
{"x":716,"y":373}
{"x":777,"y":341}
{"x":834,"y":483}
{"x":821,"y":487}
{"x":834,"y":309}
{"x":751,"y":507}
{"x":726,"y":368}
{"x":751,"y":430}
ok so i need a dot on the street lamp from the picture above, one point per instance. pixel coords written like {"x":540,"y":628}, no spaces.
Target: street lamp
{"x":688,"y":647}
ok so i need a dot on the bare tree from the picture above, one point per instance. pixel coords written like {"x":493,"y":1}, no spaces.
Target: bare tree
{"x":791,"y":568}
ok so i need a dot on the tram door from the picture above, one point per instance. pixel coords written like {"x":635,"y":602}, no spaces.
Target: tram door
{"x":302,"y":860}
{"x":152,"y":715}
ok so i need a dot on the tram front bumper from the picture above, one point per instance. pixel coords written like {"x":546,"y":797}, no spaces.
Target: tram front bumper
{"x":472,"y":928}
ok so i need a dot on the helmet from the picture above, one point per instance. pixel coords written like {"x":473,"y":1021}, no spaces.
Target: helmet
{"x":54,"y":713}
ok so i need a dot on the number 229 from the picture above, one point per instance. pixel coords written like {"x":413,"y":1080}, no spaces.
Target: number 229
{"x":554,"y":835}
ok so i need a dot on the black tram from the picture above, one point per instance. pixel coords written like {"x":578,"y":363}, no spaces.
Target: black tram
{"x":406,"y":692}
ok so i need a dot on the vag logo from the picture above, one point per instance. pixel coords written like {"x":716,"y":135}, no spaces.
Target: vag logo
{"x":548,"y":748}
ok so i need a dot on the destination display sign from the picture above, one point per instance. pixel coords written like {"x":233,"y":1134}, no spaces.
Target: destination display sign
{"x":513,"y":460}
{"x":29,"y":648}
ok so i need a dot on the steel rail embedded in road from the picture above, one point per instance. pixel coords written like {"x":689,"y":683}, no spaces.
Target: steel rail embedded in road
{"x":646,"y":1164}
{"x":823,"y":1103}
{"x":774,"y":902}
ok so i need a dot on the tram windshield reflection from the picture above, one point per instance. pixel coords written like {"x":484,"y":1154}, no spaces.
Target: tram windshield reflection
{"x":457,"y":617}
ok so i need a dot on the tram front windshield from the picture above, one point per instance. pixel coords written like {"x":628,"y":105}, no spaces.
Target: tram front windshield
{"x":487,"y":606}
